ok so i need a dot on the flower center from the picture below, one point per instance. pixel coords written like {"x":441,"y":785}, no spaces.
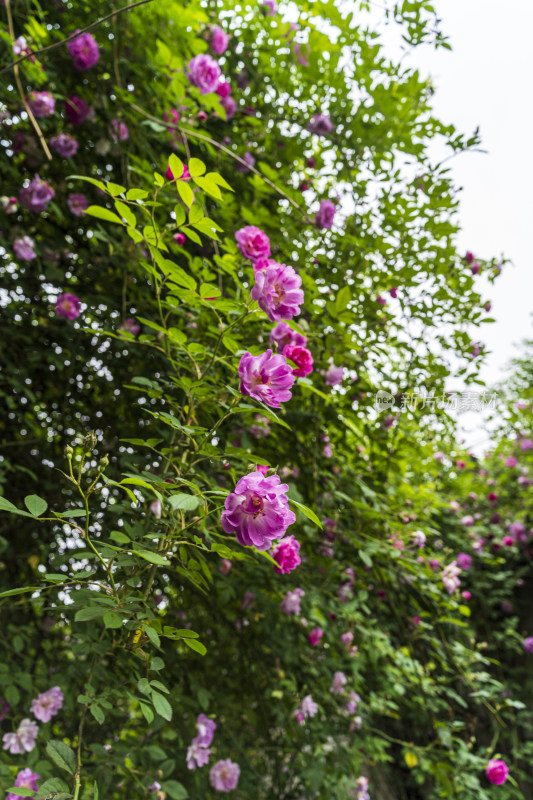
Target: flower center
{"x":253,"y":504}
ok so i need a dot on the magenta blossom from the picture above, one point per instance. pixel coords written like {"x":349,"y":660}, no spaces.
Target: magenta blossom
{"x":119,"y":130}
{"x":76,"y":110}
{"x":46,"y":705}
{"x":283,"y":335}
{"x":497,"y":771}
{"x":64,"y":144}
{"x":315,"y":636}
{"x":223,"y":89}
{"x":23,"y":248}
{"x":511,"y":461}
{"x":334,"y":375}
{"x":526,"y":444}
{"x":287,"y":554}
{"x":320,"y":124}
{"x":270,"y":7}
{"x":266,"y":378}
{"x":229,"y":105}
{"x":25,"y":779}
{"x":224,"y":776}
{"x":197,"y":756}
{"x":527,"y":644}
{"x":338,"y":683}
{"x":206,"y":728}
{"x":347,"y":639}
{"x":130,"y":326}
{"x":185,"y":175}
{"x":77,"y":204}
{"x":253,"y":242}
{"x":42,"y":104}
{"x":23,"y":740}
{"x":291,"y":602}
{"x":84,"y":51}
{"x":353,"y":701}
{"x":301,"y":357}
{"x":219,"y":40}
{"x":37,"y":195}
{"x":257,"y":511}
{"x":308,"y":708}
{"x":249,"y":162}
{"x":204,"y":73}
{"x":277,"y":291}
{"x":464,"y":561}
{"x":324,"y":215}
{"x":68,"y":306}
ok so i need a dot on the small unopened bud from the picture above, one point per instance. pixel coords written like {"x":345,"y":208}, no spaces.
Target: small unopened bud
{"x":69,"y":452}
{"x":89,"y":441}
{"x":104,"y":461}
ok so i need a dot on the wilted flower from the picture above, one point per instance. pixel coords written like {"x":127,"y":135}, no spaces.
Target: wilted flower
{"x":266,"y":377}
{"x":156,"y":508}
{"x":257,"y":511}
{"x":46,"y":705}
{"x":224,"y":776}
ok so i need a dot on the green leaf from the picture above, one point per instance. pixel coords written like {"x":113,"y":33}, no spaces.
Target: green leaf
{"x":103,"y":213}
{"x":343,"y":298}
{"x":365,"y":558}
{"x":96,"y":793}
{"x":97,"y":713}
{"x":176,"y":166}
{"x":52,"y":788}
{"x":89,"y":613}
{"x":162,"y":706}
{"x":99,"y":184}
{"x":307,"y":511}
{"x":136,"y":194}
{"x":175,"y":790}
{"x":148,"y":713}
{"x":186,"y":193}
{"x":61,"y":755}
{"x":21,"y":791}
{"x":112,"y":620}
{"x":153,"y":558}
{"x":5,"y":505}
{"x":196,"y":167}
{"x":20,"y":590}
{"x":35,"y":505}
{"x":115,"y":189}
{"x":126,"y":212}
{"x":185,"y":502}
{"x":154,"y":638}
{"x":194,"y":645}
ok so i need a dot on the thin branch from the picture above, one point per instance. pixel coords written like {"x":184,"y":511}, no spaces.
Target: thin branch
{"x":72,"y":35}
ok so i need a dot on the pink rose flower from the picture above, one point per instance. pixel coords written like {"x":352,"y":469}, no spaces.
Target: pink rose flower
{"x":287,"y":554}
{"x":526,"y":444}
{"x":84,"y":51}
{"x":224,"y":776}
{"x":315,"y":635}
{"x":225,"y":566}
{"x":291,"y":602}
{"x":334,"y":375}
{"x":249,"y":162}
{"x":464,"y":561}
{"x":283,"y":335}
{"x":301,"y":357}
{"x":37,"y":195}
{"x":223,"y":89}
{"x":68,"y":306}
{"x":450,"y":577}
{"x":352,"y":702}
{"x":185,"y":175}
{"x":156,"y":508}
{"x":497,"y":771}
{"x":23,"y":248}
{"x":219,"y":40}
{"x":64,"y":144}
{"x":197,"y":756}
{"x":266,"y":377}
{"x":229,"y":105}
{"x":25,"y":779}
{"x":204,"y":73}
{"x":119,"y":131}
{"x":511,"y":461}
{"x":46,"y":705}
{"x":130,"y":326}
{"x":277,"y":291}
{"x":527,"y":644}
{"x":76,"y":110}
{"x":77,"y":203}
{"x":308,"y":708}
{"x":257,"y":511}
{"x":42,"y":104}
{"x":324,"y":215}
{"x":338,"y":683}
{"x":253,"y":243}
{"x":270,"y":7}
{"x":23,"y":740}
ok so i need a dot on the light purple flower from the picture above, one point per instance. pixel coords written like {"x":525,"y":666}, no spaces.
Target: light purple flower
{"x":84,"y":51}
{"x":23,"y":740}
{"x":197,"y":756}
{"x":257,"y":511}
{"x":277,"y":291}
{"x":64,"y":144}
{"x":347,"y":638}
{"x":249,"y":162}
{"x":266,"y":377}
{"x":261,"y":427}
{"x":270,"y":7}
{"x":224,"y":775}
{"x":25,"y":779}
{"x":419,"y":538}
{"x":320,"y":124}
{"x":154,"y":787}
{"x":68,"y":306}
{"x":287,"y":554}
{"x":156,"y":508}
{"x":229,"y":105}
{"x":42,"y":104}
{"x":526,"y":444}
{"x":464,"y":561}
{"x":46,"y":705}
{"x":450,"y":577}
{"x":206,"y":728}
{"x":324,"y":215}
{"x":308,"y":708}
{"x":119,"y":130}
{"x":468,"y":521}
{"x":283,"y":335}
{"x":204,"y":73}
{"x":219,"y":40}
{"x":20,"y":45}
{"x":23,"y":248}
{"x":527,"y":644}
{"x":338,"y":683}
{"x":334,"y":375}
{"x":253,"y":242}
{"x":37,"y":195}
{"x":353,"y":701}
{"x":130,"y":326}
{"x":291,"y":602}
{"x":77,"y":203}
{"x":511,"y":461}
